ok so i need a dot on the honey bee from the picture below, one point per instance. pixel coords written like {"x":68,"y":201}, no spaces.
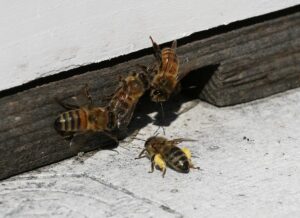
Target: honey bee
{"x":126,"y":97}
{"x":166,"y":73}
{"x":163,"y":152}
{"x":85,"y":119}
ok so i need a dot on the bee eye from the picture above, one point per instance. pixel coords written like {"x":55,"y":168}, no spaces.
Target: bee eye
{"x":156,"y":92}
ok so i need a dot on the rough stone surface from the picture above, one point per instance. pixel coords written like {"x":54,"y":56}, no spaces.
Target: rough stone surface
{"x":249,"y":154}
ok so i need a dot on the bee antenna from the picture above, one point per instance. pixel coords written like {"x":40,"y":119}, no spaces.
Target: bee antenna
{"x":162,"y":111}
{"x":174,"y":44}
{"x":162,"y":116}
{"x":151,"y":39}
{"x":157,"y":52}
{"x":139,"y":139}
{"x":162,"y":120}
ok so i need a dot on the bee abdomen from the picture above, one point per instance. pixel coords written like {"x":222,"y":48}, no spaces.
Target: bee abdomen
{"x":70,"y":121}
{"x":178,"y":160}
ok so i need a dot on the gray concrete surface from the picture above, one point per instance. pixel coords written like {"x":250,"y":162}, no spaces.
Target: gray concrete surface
{"x":249,"y":154}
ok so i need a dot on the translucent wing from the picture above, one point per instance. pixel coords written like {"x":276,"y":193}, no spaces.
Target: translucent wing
{"x":87,"y":141}
{"x":124,"y":119}
{"x":179,"y":140}
{"x":83,"y":98}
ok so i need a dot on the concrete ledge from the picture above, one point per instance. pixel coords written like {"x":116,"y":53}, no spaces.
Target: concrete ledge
{"x":249,"y":154}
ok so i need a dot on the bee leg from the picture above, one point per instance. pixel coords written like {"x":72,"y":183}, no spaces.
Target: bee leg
{"x":177,"y":89}
{"x":68,"y":137}
{"x":111,"y":136}
{"x":106,"y":97}
{"x":157,"y":51}
{"x":80,"y":157}
{"x":187,"y":152}
{"x":80,"y":154}
{"x":140,"y":157}
{"x":150,"y":71}
{"x":162,"y":120}
{"x":160,"y":163}
{"x":152,"y":168}
{"x":152,"y":164}
{"x":193,"y":167}
{"x":74,"y":139}
{"x":66,"y":105}
{"x":141,"y":154}
{"x":162,"y":117}
{"x":143,"y":68}
{"x":164,"y":170}
{"x":156,"y":131}
{"x":87,"y":93}
{"x":123,"y":84}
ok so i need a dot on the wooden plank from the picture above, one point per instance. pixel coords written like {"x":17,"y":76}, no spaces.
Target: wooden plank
{"x":243,"y":64}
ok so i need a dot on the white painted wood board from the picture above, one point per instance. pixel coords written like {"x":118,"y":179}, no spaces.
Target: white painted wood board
{"x":41,"y":38}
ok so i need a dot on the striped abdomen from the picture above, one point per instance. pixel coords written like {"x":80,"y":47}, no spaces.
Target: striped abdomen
{"x":72,"y":121}
{"x":169,"y":64}
{"x":177,"y":159}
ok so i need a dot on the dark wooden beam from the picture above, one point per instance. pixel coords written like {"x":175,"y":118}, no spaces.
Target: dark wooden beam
{"x":246,"y":63}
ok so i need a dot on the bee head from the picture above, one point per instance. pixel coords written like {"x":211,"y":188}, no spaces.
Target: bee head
{"x":150,"y":145}
{"x":154,"y":143}
{"x":159,"y":95}
{"x":149,"y":142}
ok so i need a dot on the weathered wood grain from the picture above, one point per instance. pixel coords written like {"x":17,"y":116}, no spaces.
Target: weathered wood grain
{"x":253,"y":62}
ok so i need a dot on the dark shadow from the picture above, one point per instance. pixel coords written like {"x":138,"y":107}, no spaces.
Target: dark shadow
{"x":91,"y":141}
{"x":192,"y":86}
{"x":90,"y":144}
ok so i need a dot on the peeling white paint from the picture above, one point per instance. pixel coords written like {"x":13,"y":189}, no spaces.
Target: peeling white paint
{"x":40,"y":38}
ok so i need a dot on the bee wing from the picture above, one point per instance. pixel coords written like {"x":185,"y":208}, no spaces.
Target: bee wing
{"x":76,"y":101}
{"x":179,"y":140}
{"x":65,"y":105}
{"x":88,"y":141}
{"x":83,"y":98}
